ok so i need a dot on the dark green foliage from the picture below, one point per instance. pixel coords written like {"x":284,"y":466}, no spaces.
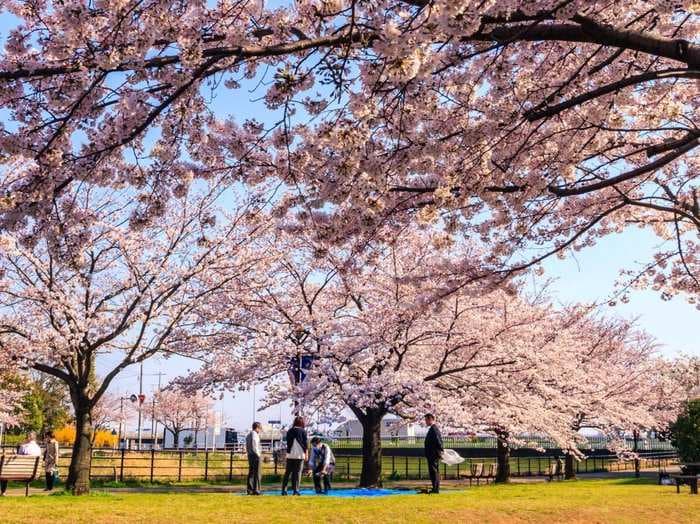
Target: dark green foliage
{"x":44,"y":405}
{"x":52,"y":398}
{"x":685,"y":432}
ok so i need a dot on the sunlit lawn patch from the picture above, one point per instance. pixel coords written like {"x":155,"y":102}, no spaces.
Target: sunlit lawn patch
{"x":582,"y":501}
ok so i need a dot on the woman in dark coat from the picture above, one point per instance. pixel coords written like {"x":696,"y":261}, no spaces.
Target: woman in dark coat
{"x":297,"y":453}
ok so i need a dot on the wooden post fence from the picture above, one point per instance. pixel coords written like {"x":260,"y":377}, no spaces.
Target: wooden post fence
{"x":153,"y":458}
{"x":121,"y":467}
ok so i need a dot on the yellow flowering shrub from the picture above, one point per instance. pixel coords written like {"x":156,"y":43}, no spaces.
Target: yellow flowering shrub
{"x":103,"y":438}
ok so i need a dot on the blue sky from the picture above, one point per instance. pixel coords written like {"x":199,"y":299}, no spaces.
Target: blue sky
{"x":588,"y":276}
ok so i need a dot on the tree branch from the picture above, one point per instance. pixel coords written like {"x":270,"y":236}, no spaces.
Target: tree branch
{"x":666,"y":159}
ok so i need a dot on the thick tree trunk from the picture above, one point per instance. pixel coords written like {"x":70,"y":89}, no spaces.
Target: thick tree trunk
{"x":78,"y":481}
{"x":176,"y":439}
{"x":502,"y":457}
{"x":371,"y":421}
{"x":570,"y":467}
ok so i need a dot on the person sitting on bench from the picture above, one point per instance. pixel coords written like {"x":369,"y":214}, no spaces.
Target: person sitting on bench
{"x":28,"y":447}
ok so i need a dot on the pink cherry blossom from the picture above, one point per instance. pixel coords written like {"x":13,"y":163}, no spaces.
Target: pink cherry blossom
{"x":540,"y":126}
{"x":177,"y":410}
{"x":98,"y":277}
{"x":386,"y":338}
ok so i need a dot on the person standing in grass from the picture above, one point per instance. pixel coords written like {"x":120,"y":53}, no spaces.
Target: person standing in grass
{"x":254,"y":449}
{"x":322,"y":465}
{"x":433,"y":451}
{"x":297,"y":453}
{"x":50,"y":460}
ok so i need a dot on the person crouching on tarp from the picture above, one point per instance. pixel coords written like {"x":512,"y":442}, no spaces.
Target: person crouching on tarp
{"x":321,"y":464}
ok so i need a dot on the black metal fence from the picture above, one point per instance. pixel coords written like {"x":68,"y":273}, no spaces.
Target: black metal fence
{"x":229,"y":466}
{"x":532,"y":442}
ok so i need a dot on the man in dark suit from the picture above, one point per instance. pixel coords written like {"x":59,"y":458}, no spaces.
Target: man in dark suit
{"x":433,"y":451}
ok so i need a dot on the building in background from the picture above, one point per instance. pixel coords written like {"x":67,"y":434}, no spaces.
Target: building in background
{"x":391,"y":427}
{"x":204,"y":438}
{"x":131,"y":440}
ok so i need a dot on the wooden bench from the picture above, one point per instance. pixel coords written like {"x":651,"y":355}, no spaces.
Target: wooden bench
{"x":690,"y":480}
{"x":475,"y":472}
{"x":19,"y":468}
{"x":555,"y":469}
{"x":490,"y":472}
{"x":479,"y":472}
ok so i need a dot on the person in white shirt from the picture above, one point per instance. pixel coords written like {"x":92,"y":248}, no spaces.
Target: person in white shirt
{"x":254,"y":448}
{"x":321,"y":465}
{"x":30,"y":447}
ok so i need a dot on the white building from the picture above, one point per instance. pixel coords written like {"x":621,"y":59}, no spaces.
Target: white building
{"x":391,"y":427}
{"x":209,"y":438}
{"x":226,"y":438}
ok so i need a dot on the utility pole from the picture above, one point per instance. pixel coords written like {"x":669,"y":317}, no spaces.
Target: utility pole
{"x":121,"y":420}
{"x":221,"y":425}
{"x":253,"y":402}
{"x":206,"y":428}
{"x":154,"y":423}
{"x":138,"y":446}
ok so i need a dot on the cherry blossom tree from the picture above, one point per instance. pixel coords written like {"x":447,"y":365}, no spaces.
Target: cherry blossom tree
{"x":684,"y":372}
{"x":107,"y":411}
{"x":618,"y":364}
{"x":540,"y":125}
{"x":177,"y":410}
{"x":14,"y":388}
{"x":529,"y":128}
{"x":115,"y":284}
{"x":609,"y":373}
{"x":7,"y":417}
{"x":385,"y":337}
{"x":10,"y":401}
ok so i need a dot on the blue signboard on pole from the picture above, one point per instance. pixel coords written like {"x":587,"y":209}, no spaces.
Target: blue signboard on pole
{"x":299,"y":366}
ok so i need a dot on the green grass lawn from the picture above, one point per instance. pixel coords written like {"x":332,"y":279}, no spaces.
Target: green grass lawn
{"x":600,"y":501}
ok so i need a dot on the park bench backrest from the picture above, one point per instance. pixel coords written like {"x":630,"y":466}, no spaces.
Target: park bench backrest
{"x":477,"y":469}
{"x":18,"y":467}
{"x":493,"y":468}
{"x":560,"y":467}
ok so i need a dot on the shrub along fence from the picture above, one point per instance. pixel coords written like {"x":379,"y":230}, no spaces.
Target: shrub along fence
{"x":229,"y":466}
